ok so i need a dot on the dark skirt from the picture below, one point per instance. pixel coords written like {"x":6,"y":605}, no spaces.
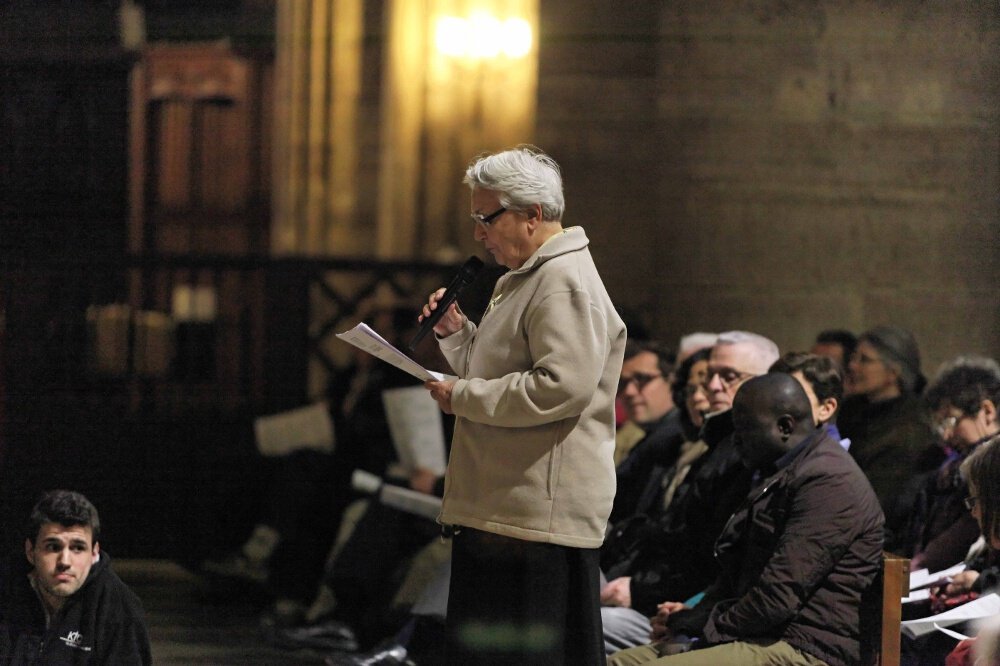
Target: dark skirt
{"x":521,"y":602}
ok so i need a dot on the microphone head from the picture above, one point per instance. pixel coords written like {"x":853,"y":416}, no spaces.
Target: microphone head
{"x":471,"y":267}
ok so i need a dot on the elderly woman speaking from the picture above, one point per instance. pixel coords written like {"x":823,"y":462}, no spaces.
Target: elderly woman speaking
{"x":531,"y":478}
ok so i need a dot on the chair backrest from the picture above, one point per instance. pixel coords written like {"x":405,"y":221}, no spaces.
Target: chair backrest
{"x":882,"y":611}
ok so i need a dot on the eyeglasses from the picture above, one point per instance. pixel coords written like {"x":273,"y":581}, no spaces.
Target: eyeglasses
{"x":727,"y":376}
{"x":945,"y":425}
{"x":641,"y":379}
{"x":970,"y":502}
{"x":485,"y":220}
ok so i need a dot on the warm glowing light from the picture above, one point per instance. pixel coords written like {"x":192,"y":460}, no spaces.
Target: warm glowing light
{"x":517,"y":38}
{"x":483,"y":36}
{"x":451,"y":36}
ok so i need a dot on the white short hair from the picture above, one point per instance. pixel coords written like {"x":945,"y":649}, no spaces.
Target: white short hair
{"x":521,"y":177}
{"x":765,"y":352}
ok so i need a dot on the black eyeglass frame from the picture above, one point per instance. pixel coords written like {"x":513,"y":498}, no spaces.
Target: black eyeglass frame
{"x":728,"y":376}
{"x":486,"y":220}
{"x":640,"y":379}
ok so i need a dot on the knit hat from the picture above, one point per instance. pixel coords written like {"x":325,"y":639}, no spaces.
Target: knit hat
{"x":898,"y":346}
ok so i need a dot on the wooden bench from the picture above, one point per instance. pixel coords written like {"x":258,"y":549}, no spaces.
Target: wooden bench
{"x":882,"y":611}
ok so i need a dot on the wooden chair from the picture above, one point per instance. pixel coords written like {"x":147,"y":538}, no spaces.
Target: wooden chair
{"x":882,"y":612}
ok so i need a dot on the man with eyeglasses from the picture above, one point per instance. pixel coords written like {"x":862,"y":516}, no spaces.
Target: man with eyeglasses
{"x":667,"y":553}
{"x":795,"y":558}
{"x":644,"y":389}
{"x":962,"y":401}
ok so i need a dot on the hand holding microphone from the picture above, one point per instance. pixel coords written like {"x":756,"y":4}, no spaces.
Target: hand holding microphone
{"x":439,"y":304}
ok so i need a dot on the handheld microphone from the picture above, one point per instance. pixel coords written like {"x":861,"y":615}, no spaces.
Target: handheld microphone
{"x":464,"y":277}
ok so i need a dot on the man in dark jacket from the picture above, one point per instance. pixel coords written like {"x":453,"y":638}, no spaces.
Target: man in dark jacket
{"x":666,"y":552}
{"x":794,"y":559}
{"x":65,"y":605}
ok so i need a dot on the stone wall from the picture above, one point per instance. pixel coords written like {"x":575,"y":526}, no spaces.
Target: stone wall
{"x":784,"y":167}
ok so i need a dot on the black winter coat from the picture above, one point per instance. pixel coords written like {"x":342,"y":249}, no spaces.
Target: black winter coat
{"x":101,"y":624}
{"x":668,"y":554}
{"x":796,"y":559}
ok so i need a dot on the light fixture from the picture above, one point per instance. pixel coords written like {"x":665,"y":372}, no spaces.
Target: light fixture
{"x":482,"y":35}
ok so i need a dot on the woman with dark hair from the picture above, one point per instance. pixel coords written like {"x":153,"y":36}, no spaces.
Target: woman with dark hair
{"x":962,"y":402}
{"x":982,"y":575}
{"x":689,"y":392}
{"x":883,"y":417}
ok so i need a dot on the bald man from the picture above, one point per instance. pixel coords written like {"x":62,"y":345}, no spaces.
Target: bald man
{"x":794,"y":559}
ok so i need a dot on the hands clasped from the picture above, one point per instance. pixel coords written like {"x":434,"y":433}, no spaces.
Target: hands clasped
{"x":659,"y":621}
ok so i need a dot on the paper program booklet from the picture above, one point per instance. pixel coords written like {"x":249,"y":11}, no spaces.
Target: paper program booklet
{"x":416,"y":427}
{"x":304,"y":428}
{"x":977,"y":609}
{"x":922,"y":580}
{"x":366,"y":339}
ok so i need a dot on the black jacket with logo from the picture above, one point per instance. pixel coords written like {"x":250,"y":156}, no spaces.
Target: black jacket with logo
{"x":102,"y":623}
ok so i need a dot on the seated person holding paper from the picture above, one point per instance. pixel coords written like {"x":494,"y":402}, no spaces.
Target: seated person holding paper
{"x":981,"y":577}
{"x":963,"y":400}
{"x":355,"y":604}
{"x":308,"y":491}
{"x":795,"y":558}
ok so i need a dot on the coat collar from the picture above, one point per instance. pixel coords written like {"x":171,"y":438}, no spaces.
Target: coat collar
{"x":568,"y":240}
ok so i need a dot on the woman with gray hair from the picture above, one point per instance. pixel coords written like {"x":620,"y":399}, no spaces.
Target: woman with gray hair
{"x":883,"y":417}
{"x":530,"y":477}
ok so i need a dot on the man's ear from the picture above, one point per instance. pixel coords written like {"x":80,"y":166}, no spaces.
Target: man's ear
{"x":29,"y":552}
{"x":827,"y":408}
{"x":989,"y":410}
{"x":97,"y":548}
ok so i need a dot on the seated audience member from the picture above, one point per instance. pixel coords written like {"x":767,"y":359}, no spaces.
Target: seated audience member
{"x":645,"y":391}
{"x":963,"y":401}
{"x":837,"y":344}
{"x":667,"y":551}
{"x":420,"y":641}
{"x":689,"y":391}
{"x":354,"y":605}
{"x":883,"y":417}
{"x":306,"y":498}
{"x":60,"y":601}
{"x":356,"y":602}
{"x":795,"y":558}
{"x":823,"y":383}
{"x":981,"y":469}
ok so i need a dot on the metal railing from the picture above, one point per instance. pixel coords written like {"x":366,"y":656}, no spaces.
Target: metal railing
{"x":169,"y":334}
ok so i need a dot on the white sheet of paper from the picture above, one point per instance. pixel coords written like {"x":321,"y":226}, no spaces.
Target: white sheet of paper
{"x":917,"y":595}
{"x":923,"y":576}
{"x":307,"y":427}
{"x":974,"y":610}
{"x":416,"y":428}
{"x":365,"y":338}
{"x":948,"y":632}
